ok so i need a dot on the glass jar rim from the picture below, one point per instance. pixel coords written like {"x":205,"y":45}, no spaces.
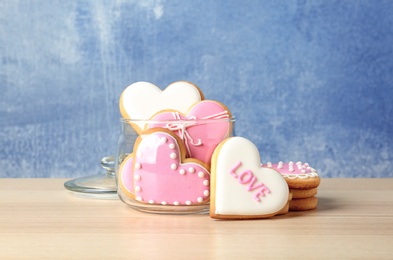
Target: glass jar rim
{"x":185,"y":120}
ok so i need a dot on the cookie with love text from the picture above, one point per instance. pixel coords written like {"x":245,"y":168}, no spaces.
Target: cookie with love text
{"x":202,"y":128}
{"x":240,"y":187}
{"x":141,"y":100}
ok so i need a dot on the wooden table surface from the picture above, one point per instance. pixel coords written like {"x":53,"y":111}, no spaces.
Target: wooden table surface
{"x":41,"y":220}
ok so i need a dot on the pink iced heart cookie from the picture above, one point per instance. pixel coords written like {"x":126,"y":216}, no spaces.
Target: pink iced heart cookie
{"x":126,"y":177}
{"x":298,"y":175}
{"x":240,"y":187}
{"x":142,"y":100}
{"x":205,"y":125}
{"x":162,"y":175}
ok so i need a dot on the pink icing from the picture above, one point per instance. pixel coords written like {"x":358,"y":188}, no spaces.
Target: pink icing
{"x":199,"y":134}
{"x":161,"y":178}
{"x":293,"y":170}
{"x":248,"y":177}
{"x":126,"y":176}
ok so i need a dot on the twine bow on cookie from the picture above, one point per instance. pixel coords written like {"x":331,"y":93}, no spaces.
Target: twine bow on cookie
{"x":181,"y":126}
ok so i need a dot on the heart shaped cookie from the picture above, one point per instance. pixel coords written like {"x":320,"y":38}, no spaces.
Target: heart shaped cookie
{"x":240,"y":187}
{"x":126,"y":177}
{"x":205,"y":125}
{"x":162,"y":175}
{"x":142,"y":100}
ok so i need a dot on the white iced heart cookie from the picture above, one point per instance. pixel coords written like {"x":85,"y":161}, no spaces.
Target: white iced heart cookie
{"x":240,"y":187}
{"x":141,"y":100}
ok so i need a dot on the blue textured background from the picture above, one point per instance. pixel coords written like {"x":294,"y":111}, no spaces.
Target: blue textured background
{"x":307,"y":80}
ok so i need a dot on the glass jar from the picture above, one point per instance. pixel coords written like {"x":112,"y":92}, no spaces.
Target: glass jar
{"x":165,"y":168}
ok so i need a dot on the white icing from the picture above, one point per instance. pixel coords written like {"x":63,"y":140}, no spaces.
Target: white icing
{"x":231,"y":197}
{"x":142,"y":100}
{"x":173,"y":155}
{"x":311,"y":174}
{"x":173,"y":166}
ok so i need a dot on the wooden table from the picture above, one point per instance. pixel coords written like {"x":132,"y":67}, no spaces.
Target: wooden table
{"x":41,"y":220}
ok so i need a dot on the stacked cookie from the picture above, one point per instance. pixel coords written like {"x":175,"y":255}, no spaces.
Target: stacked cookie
{"x":303,"y":182}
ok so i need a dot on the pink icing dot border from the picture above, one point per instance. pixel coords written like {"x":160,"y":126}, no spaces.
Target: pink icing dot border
{"x":176,"y":165}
